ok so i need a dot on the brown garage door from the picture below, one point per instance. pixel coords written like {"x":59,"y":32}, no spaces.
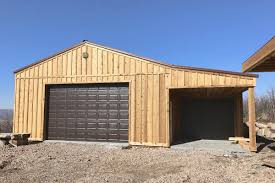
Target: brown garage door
{"x":94,"y":112}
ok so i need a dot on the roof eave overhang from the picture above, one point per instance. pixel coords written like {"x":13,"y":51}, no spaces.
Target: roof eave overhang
{"x":261,"y":56}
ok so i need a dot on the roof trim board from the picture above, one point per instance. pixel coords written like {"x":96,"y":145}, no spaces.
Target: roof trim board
{"x":260,"y":57}
{"x":139,"y":57}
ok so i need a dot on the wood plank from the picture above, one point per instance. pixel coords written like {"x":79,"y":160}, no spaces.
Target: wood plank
{"x":39,"y":104}
{"x":104,"y":62}
{"x":26,"y":102}
{"x":252,"y":119}
{"x":162,"y":109}
{"x":21,"y":105}
{"x":89,"y":60}
{"x":30,"y":109}
{"x":59,"y":69}
{"x":54,"y":70}
{"x":150,"y":100}
{"x":133,"y":109}
{"x":144,"y":98}
{"x":95,"y":62}
{"x":156,"y":110}
{"x":69,"y":67}
{"x":100,"y":62}
{"x":132,"y":66}
{"x":201,"y":79}
{"x":116,"y":69}
{"x":110,"y":63}
{"x":121,"y":64}
{"x":104,"y":65}
{"x":64,"y":68}
{"x":238,"y":139}
{"x":138,"y":110}
{"x":35,"y":93}
{"x":78,"y":64}
{"x":74,"y":66}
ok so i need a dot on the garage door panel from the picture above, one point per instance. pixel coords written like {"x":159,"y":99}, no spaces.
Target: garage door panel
{"x":96,"y":112}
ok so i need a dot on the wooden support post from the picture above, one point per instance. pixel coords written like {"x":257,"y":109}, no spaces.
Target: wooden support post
{"x":252,"y":119}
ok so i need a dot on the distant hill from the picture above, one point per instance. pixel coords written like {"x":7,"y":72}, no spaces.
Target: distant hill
{"x":6,"y":114}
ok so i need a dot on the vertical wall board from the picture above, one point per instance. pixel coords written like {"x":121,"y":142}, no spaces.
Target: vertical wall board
{"x":156,"y":69}
{"x":180,"y":78}
{"x":69,"y":67}
{"x":174,"y":74}
{"x":39,"y":103}
{"x":144,"y":98}
{"x":156,"y":110}
{"x":94,"y":61}
{"x":133,"y":110}
{"x":89,"y":60}
{"x":35,"y":93}
{"x":201,"y":79}
{"x":233,"y":81}
{"x":150,"y":99}
{"x":110,"y":63}
{"x":144,"y":68}
{"x":78,"y":64}
{"x":59,"y":69}
{"x":30,"y":108}
{"x":138,"y":66}
{"x":21,"y":104}
{"x":227,"y":80}
{"x":127,"y":66}
{"x":138,"y":109}
{"x":26,"y":101}
{"x":194,"y":81}
{"x":116,"y":67}
{"x":104,"y":65}
{"x":132,"y":66}
{"x":50,"y":70}
{"x":121,"y":65}
{"x":64,"y":68}
{"x":54,"y":70}
{"x":150,"y":68}
{"x":207,"y":79}
{"x":186,"y":78}
{"x":221,"y":80}
{"x":74,"y":65}
{"x":169,"y":106}
{"x":162,"y":109}
{"x":84,"y":61}
{"x":161,"y":70}
{"x":99,"y":61}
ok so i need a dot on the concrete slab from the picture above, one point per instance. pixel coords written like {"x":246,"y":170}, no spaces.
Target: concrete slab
{"x":216,"y":146}
{"x":105,"y":144}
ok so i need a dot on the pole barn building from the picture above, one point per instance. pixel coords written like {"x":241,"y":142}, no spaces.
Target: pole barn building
{"x":94,"y":93}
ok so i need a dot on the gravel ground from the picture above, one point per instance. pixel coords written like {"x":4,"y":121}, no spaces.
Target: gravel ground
{"x":58,"y":162}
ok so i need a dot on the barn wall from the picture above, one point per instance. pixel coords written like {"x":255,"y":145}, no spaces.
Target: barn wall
{"x":149,"y":85}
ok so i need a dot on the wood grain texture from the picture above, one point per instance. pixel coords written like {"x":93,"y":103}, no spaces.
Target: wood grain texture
{"x":149,"y":88}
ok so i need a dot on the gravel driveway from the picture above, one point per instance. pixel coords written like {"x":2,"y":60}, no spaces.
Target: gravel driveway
{"x":58,"y":162}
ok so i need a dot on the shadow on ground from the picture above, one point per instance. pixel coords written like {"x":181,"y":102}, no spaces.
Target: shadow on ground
{"x":265,"y":144}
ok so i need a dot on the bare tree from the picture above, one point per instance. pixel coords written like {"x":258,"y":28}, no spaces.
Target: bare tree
{"x":265,"y":107}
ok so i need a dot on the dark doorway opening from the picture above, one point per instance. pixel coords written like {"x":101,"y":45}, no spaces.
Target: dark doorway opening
{"x":204,"y":113}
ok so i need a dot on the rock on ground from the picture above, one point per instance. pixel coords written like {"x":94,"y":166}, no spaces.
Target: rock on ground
{"x":57,"y":162}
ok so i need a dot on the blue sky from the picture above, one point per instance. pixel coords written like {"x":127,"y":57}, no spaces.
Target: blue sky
{"x":206,"y":33}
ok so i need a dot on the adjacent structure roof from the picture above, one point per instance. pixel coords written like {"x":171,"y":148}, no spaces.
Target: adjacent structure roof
{"x":262,"y":60}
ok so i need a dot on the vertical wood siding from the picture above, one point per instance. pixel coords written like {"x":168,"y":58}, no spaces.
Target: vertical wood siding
{"x":149,"y":85}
